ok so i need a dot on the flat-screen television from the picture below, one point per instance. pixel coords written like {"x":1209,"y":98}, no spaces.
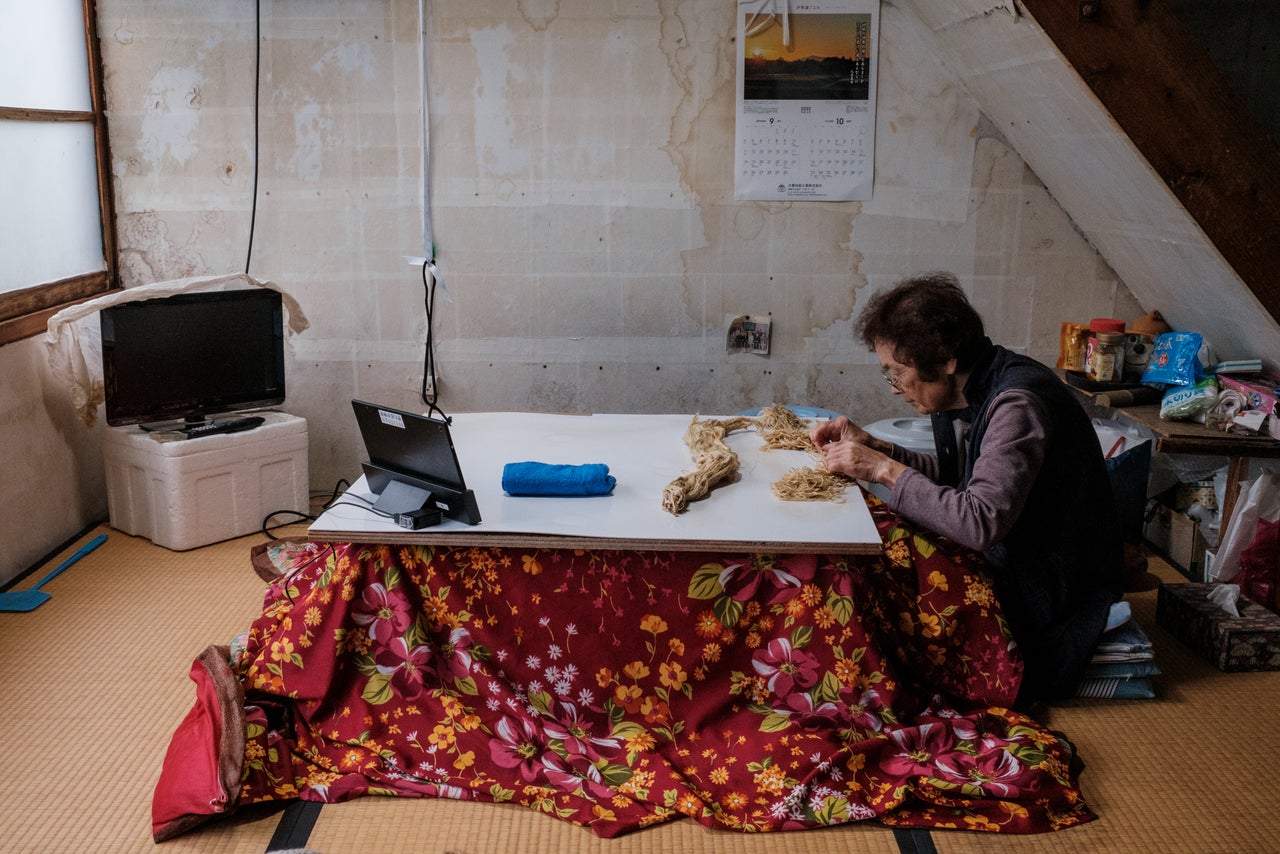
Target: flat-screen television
{"x":190,"y":356}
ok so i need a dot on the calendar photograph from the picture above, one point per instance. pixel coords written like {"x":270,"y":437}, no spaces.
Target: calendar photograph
{"x":835,"y":64}
{"x":806,"y":100}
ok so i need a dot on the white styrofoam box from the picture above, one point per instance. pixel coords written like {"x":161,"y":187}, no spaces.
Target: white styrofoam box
{"x":186,"y":493}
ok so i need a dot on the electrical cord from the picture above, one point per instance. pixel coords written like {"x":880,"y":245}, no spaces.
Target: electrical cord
{"x":257,"y":85}
{"x":430,"y":384}
{"x":341,"y":486}
{"x":430,"y":279}
{"x":287,"y":578}
{"x":298,"y":516}
{"x":368,"y":505}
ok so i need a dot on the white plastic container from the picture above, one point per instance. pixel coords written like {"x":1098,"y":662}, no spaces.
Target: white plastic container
{"x":182,"y":494}
{"x":915,"y":434}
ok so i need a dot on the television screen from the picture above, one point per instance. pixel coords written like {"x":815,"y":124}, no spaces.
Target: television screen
{"x":192,"y":355}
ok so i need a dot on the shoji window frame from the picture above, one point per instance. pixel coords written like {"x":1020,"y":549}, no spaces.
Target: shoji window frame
{"x":25,"y":312}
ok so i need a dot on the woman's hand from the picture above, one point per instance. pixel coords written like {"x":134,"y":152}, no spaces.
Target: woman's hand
{"x":852,"y":451}
{"x":838,"y":429}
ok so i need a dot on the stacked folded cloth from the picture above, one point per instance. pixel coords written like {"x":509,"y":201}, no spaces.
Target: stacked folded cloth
{"x":534,"y":478}
{"x":1122,"y":665}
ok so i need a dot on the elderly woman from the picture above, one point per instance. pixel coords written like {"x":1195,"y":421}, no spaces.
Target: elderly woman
{"x":1018,"y":473}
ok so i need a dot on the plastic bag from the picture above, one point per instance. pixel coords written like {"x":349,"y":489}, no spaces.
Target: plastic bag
{"x":1260,"y":566}
{"x":1183,"y":403}
{"x":1175,"y":359}
{"x":1261,"y":503}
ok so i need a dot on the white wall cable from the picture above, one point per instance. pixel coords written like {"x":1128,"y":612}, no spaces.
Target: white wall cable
{"x":759,"y":20}
{"x":428,"y":239}
{"x":431,"y":279}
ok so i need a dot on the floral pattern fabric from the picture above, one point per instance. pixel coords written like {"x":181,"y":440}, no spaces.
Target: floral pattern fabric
{"x":620,"y":689}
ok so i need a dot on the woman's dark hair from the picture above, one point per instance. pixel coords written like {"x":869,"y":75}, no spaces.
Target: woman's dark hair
{"x":928,"y":320}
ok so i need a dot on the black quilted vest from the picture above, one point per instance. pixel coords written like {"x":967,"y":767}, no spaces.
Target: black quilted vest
{"x":1061,"y":566}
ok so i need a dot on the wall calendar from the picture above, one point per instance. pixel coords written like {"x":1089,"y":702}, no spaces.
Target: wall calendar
{"x":806,"y":105}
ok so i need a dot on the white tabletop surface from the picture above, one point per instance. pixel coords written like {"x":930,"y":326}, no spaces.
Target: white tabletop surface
{"x":644,"y":453}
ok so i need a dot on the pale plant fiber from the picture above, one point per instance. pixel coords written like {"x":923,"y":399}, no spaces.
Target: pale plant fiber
{"x":715,"y":462}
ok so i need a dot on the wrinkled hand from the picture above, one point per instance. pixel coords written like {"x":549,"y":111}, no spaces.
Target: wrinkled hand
{"x":852,"y":451}
{"x":838,"y":429}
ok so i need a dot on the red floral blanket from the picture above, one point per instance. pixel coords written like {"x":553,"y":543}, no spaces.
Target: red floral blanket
{"x":620,"y":689}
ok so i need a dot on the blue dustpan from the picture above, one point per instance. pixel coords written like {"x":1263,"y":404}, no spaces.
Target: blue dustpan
{"x":29,"y":600}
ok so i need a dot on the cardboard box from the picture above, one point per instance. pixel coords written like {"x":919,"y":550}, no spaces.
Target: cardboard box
{"x":192,"y":492}
{"x":1176,"y":536}
{"x":1259,"y":392}
{"x":1232,"y":644}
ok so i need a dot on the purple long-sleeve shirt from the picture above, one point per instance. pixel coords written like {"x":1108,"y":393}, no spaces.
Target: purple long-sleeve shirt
{"x":1007,"y":465}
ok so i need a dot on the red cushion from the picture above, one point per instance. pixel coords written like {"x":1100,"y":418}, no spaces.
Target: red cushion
{"x":200,"y":777}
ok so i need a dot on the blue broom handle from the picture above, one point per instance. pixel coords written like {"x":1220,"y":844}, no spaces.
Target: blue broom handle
{"x":84,"y":550}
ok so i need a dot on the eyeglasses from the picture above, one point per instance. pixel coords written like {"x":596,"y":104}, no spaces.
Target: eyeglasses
{"x":894,"y":380}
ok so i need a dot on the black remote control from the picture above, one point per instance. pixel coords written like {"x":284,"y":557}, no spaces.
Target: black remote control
{"x":234,"y":425}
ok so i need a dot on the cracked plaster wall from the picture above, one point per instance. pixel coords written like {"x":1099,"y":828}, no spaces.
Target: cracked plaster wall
{"x":582,"y":203}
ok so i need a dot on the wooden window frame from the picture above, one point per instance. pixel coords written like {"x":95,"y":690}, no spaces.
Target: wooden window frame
{"x":26,"y":312}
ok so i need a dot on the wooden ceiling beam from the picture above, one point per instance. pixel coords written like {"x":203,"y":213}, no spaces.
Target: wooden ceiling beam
{"x":1179,"y":110}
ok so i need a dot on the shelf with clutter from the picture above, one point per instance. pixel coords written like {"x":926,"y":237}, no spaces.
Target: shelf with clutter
{"x":1213,"y":499}
{"x":1168,"y":384}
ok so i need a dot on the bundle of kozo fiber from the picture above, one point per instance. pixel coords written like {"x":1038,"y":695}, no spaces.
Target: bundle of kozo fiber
{"x":812,"y":484}
{"x":783,"y":429}
{"x":715,"y":462}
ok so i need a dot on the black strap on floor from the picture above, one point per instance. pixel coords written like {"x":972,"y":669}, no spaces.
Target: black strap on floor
{"x":299,"y":818}
{"x":295,"y":826}
{"x":914,"y":840}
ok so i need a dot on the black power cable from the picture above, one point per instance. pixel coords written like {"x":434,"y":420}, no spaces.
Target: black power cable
{"x":430,"y":383}
{"x":298,"y":516}
{"x":257,"y":85}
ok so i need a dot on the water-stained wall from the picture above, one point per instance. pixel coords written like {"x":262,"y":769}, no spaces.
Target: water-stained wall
{"x":581,"y":201}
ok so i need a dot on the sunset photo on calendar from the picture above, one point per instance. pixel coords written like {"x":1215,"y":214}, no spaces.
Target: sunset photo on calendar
{"x":829,"y":58}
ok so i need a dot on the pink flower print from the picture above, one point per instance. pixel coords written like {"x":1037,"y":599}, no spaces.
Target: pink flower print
{"x":994,"y":772}
{"x":455,"y":653}
{"x":386,"y":613}
{"x":811,"y":718}
{"x":841,"y":580}
{"x":586,"y":778}
{"x":786,"y":577}
{"x":406,"y":666}
{"x":963,"y":728}
{"x":521,"y":745}
{"x":914,"y":751}
{"x":574,"y":732}
{"x":864,"y":712}
{"x":784,"y":667}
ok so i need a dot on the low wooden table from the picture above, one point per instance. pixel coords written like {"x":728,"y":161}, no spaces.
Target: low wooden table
{"x":644,"y":453}
{"x":1189,"y":437}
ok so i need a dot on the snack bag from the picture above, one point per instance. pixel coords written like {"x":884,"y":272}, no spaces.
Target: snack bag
{"x":1181,"y":403}
{"x":1175,"y":359}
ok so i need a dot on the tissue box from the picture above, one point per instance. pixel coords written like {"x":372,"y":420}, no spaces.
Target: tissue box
{"x":1259,"y":392}
{"x":1232,"y":644}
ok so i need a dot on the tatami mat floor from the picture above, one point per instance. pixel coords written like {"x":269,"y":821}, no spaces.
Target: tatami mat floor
{"x":94,"y":681}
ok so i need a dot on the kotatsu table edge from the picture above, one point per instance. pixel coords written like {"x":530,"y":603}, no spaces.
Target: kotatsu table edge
{"x":645,"y":452}
{"x":554,"y":541}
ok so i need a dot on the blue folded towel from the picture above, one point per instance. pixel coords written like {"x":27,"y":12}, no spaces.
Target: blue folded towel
{"x":531,"y":478}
